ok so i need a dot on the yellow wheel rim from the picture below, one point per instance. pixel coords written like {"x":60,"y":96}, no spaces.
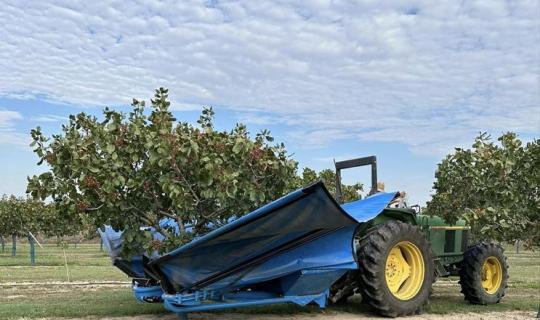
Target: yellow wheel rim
{"x":491,"y":275}
{"x":404,"y":270}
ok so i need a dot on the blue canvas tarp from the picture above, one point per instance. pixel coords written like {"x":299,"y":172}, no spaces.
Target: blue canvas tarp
{"x":304,"y":229}
{"x":112,"y":240}
{"x":133,"y":267}
{"x":368,"y":208}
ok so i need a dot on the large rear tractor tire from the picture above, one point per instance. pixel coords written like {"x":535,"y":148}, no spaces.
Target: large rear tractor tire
{"x":396,"y":269}
{"x":484,"y":273}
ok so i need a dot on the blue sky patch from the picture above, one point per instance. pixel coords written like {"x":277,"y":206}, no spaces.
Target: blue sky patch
{"x":407,"y":84}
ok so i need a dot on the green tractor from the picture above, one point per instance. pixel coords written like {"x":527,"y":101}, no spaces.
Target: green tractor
{"x":402,"y":252}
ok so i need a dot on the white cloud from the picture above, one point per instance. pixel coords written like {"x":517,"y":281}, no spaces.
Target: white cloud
{"x":341,"y":157}
{"x":424,"y":73}
{"x":49,"y":118}
{"x":8,"y":135}
{"x":7,"y":117}
{"x":185,"y":106}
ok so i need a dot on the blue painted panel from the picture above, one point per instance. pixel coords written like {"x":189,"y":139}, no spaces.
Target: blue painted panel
{"x":305,"y":282}
{"x":147,"y":294}
{"x":368,"y":208}
{"x":232,"y":301}
{"x":331,"y":252}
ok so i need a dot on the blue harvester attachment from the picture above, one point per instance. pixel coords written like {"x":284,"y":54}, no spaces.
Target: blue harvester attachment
{"x":291,"y":250}
{"x":145,"y":287}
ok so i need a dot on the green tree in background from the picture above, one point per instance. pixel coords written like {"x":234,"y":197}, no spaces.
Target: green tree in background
{"x":20,"y":216}
{"x":131,"y":170}
{"x":328,"y":176}
{"x":12,"y":221}
{"x":494,"y":186}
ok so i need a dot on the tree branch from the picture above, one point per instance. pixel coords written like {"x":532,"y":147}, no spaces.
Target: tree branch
{"x":206,"y":218}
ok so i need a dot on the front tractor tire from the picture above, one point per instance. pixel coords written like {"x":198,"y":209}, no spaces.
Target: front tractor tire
{"x":396,"y":269}
{"x":484,"y":273}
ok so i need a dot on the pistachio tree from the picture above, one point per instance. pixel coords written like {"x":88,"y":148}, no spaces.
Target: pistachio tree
{"x":19,"y":216}
{"x":494,"y":186}
{"x":132,"y":170}
{"x":328,"y":176}
{"x":22,"y":215}
{"x":13,"y":222}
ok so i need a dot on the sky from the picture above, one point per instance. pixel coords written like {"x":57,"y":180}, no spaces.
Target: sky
{"x":406,"y":81}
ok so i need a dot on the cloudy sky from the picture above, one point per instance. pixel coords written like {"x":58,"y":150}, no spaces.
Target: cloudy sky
{"x":404,"y":80}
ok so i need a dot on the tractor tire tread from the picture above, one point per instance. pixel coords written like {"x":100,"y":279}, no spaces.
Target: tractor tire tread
{"x":471,"y":270}
{"x":371,"y":254}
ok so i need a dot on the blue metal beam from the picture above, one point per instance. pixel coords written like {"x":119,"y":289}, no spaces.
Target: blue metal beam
{"x":169,"y":302}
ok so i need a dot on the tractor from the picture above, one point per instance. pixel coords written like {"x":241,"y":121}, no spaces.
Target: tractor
{"x":309,"y":247}
{"x":401,"y":253}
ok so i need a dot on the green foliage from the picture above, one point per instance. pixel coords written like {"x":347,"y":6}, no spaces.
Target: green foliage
{"x":22,"y":215}
{"x":328,"y":176}
{"x":131,"y":170}
{"x":495,"y":187}
{"x":13,"y":220}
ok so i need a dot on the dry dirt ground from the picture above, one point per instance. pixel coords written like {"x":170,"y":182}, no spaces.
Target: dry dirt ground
{"x":93,"y":287}
{"x":60,"y":287}
{"x":509,"y":315}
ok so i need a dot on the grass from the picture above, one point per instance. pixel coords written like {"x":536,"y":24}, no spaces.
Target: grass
{"x":85,"y":263}
{"x":79,"y":303}
{"x":96,"y":288}
{"x":52,"y":255}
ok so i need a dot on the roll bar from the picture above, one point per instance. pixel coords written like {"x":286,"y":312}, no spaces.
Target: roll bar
{"x":352,"y":163}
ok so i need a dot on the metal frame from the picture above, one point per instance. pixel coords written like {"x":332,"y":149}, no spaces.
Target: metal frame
{"x":352,"y":163}
{"x":151,"y":294}
{"x":182,"y":304}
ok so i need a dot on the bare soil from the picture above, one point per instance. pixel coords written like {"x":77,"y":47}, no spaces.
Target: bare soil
{"x":508,"y":315}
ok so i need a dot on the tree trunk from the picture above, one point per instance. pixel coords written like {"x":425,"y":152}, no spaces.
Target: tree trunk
{"x":3,"y":244}
{"x":32,"y":250}
{"x":14,"y":245}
